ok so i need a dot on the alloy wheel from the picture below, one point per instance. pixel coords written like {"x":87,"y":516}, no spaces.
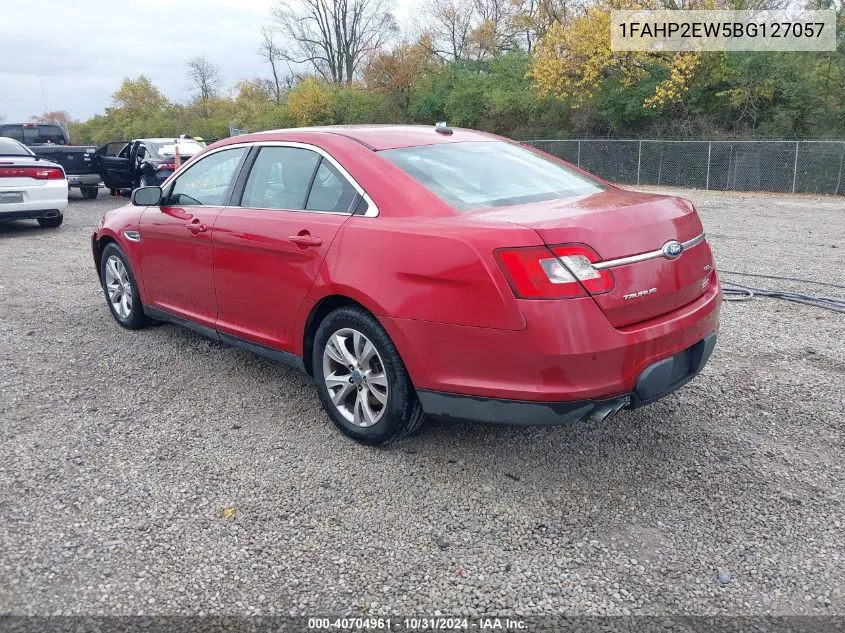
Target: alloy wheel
{"x":118,"y":287}
{"x":355,"y":377}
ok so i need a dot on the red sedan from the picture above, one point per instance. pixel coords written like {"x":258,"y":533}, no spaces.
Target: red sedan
{"x":417,"y":271}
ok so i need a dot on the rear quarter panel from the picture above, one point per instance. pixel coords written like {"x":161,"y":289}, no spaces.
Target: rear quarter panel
{"x":436,"y":270}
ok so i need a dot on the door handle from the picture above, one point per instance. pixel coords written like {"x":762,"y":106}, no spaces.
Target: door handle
{"x":305,"y":240}
{"x":196,"y":226}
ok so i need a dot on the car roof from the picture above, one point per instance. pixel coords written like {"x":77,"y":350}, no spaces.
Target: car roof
{"x":381,"y":137}
{"x":166,"y":139}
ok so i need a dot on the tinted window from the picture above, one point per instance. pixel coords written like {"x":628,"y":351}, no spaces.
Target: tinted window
{"x":207,"y":181}
{"x":280,"y":178}
{"x":35,"y":135}
{"x":331,"y":191}
{"x":43,"y":134}
{"x":489,"y":174}
{"x":12,"y":131}
{"x":9,"y":147}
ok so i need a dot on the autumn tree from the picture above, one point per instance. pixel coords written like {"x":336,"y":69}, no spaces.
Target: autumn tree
{"x":574,"y":61}
{"x":139,"y":98}
{"x":448,"y":27}
{"x":274,"y":56}
{"x":205,"y":76}
{"x":310,"y":102}
{"x":58,"y":117}
{"x":395,"y":71}
{"x":334,"y":36}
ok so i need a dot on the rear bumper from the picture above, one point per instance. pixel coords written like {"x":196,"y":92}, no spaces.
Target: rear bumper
{"x":567,"y":352}
{"x":39,"y":201}
{"x":656,"y":381}
{"x":83,"y":180}
{"x":29,"y":214}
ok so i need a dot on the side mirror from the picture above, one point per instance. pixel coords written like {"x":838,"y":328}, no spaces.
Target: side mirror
{"x":146,"y":196}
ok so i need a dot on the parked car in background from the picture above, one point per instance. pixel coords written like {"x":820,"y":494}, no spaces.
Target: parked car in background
{"x":31,"y":187}
{"x":141,"y":162}
{"x":51,"y":142}
{"x":417,"y":272}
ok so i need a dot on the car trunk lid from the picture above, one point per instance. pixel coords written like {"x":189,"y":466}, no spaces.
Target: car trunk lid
{"x":628,"y":231}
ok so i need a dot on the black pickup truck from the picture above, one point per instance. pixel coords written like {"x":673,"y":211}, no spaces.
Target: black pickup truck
{"x":51,"y":142}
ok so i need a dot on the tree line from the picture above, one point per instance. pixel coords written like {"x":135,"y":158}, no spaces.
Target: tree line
{"x":522,"y":68}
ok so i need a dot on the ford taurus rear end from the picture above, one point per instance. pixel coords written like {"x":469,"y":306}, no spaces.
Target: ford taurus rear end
{"x":617,"y":289}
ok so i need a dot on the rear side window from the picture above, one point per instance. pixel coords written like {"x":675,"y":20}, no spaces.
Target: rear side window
{"x":331,"y":191}
{"x":280,"y":178}
{"x":480,"y":175}
{"x":207,"y":181}
{"x":12,"y":131}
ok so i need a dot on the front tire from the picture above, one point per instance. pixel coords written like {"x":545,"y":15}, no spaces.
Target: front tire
{"x":51,"y":223}
{"x":120,"y":288}
{"x":361,"y":379}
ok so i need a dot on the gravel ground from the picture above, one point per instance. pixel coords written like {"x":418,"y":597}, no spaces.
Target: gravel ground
{"x":158,"y":472}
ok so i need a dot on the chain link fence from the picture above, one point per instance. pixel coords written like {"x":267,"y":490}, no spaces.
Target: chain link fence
{"x":782,"y":166}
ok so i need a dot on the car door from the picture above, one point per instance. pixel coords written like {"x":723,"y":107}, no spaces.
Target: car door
{"x":269,"y":246}
{"x":176,"y":237}
{"x":113,"y":162}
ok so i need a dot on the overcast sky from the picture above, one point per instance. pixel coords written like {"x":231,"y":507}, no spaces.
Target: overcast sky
{"x":72,"y":54}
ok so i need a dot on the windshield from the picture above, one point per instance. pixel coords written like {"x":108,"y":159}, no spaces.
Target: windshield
{"x":168,"y":149}
{"x":479,"y":175}
{"x":9,"y":147}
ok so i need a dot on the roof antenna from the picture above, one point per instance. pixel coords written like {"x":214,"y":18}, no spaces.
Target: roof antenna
{"x":442,"y":128}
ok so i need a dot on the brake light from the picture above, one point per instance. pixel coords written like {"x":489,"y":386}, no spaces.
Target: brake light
{"x":38,"y":173}
{"x":163,"y":165}
{"x":556,"y":272}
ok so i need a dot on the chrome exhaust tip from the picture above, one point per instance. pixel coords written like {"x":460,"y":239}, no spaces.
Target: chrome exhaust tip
{"x":607,"y":410}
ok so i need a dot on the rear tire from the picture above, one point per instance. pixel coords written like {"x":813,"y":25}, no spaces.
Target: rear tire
{"x":368,"y":395}
{"x":51,"y":223}
{"x":120,"y":289}
{"x":89,"y":193}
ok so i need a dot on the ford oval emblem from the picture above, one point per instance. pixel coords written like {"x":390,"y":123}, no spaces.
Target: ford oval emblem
{"x":672,"y":249}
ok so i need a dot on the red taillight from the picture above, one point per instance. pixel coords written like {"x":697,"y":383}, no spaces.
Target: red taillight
{"x":38,"y":173}
{"x":555,"y":272}
{"x":163,"y":165}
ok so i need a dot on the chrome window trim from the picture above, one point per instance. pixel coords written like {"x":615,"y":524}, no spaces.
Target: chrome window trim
{"x":372,"y":208}
{"x":642,"y":257}
{"x":176,"y":174}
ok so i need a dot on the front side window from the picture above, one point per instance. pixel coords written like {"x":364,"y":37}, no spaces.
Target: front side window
{"x":478,"y":175}
{"x":207,"y":181}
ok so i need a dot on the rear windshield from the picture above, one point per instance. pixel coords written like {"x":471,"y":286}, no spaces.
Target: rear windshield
{"x":168,"y":149}
{"x":10,"y":148}
{"x":479,"y":175}
{"x":35,"y":134}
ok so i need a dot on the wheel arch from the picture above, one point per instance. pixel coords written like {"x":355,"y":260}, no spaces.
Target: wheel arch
{"x":99,"y":246}
{"x":327,"y":304}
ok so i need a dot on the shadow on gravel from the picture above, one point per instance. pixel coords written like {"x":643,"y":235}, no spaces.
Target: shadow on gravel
{"x":22,"y":228}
